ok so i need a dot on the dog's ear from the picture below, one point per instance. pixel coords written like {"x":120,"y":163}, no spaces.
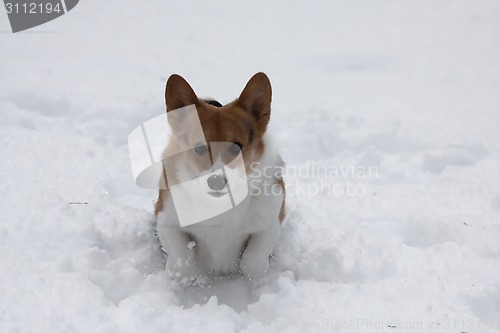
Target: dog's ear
{"x":256,"y":98}
{"x":178,"y":93}
{"x":178,"y":96}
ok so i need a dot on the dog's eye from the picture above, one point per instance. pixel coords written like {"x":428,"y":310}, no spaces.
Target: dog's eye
{"x":201,"y":149}
{"x":235,"y":148}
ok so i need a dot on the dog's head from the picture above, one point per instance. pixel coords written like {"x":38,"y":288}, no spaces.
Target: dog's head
{"x":228,"y":130}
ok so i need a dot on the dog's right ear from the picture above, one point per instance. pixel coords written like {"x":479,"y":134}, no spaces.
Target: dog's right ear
{"x":256,"y":98}
{"x":178,"y":93}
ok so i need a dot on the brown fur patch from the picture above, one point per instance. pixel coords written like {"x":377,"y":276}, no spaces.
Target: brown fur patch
{"x":281,"y":183}
{"x":162,"y":195}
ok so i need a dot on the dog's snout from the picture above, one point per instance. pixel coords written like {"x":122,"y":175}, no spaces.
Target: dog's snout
{"x":216,"y":182}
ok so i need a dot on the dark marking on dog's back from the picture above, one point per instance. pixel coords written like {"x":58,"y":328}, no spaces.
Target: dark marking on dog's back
{"x":213,"y":103}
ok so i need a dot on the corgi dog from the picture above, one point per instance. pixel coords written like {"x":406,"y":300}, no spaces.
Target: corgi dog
{"x":239,"y":240}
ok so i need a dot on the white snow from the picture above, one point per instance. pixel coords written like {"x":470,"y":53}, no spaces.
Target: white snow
{"x":408,"y":87}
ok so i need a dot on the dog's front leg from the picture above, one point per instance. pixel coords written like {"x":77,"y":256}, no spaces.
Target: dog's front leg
{"x":255,"y":259}
{"x":180,"y":257}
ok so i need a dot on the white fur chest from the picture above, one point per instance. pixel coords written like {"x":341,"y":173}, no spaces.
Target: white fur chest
{"x":220,"y":240}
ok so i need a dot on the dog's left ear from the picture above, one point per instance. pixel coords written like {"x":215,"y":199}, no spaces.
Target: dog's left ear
{"x":256,"y":98}
{"x":178,"y":93}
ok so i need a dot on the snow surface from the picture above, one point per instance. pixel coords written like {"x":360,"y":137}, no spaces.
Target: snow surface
{"x":409,"y":87}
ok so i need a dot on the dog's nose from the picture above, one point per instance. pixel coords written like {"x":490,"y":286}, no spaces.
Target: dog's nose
{"x":216,"y":182}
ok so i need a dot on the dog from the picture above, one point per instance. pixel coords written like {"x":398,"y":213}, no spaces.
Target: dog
{"x":241,"y":239}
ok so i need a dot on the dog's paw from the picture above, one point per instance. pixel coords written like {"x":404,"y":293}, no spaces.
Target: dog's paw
{"x":253,"y":267}
{"x":181,"y":269}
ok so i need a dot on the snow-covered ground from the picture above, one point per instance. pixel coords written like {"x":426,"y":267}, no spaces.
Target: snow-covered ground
{"x":406,"y":89}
